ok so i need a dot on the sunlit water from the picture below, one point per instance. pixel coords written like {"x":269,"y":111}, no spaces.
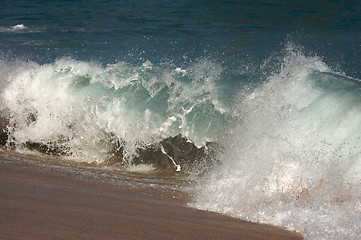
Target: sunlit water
{"x":253,"y":109}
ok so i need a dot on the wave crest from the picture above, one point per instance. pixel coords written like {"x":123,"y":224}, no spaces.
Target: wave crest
{"x":293,"y":157}
{"x":90,"y":112}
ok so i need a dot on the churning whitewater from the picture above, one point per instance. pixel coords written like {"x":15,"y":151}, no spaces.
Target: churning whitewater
{"x":293,"y":158}
{"x":253,"y":106}
{"x":94,"y":113}
{"x":276,"y":144}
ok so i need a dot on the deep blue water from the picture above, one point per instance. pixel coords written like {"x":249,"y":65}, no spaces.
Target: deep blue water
{"x":230,"y":31}
{"x":262,"y":98}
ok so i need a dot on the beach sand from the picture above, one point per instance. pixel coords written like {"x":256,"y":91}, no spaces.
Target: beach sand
{"x":38,"y":205}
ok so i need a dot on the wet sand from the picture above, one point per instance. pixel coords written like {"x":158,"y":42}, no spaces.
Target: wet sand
{"x":34,"y":205}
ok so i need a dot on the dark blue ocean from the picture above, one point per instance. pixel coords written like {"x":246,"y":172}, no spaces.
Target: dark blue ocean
{"x":258,"y":103}
{"x":235,"y":33}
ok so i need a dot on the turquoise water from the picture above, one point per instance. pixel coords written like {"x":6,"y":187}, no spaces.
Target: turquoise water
{"x":262,"y":98}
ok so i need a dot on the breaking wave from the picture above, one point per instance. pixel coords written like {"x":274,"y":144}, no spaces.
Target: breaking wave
{"x":277,"y":144}
{"x":114,"y":113}
{"x":293,"y":159}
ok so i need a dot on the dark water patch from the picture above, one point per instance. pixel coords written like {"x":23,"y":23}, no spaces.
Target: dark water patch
{"x":171,"y":154}
{"x":173,"y":151}
{"x":176,"y":153}
{"x":3,"y":130}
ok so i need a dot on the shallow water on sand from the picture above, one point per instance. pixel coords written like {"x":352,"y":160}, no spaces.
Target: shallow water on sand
{"x":140,"y":178}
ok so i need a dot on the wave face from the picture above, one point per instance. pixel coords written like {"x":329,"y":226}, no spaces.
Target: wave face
{"x":91,"y":112}
{"x":294,"y":158}
{"x":277,"y":144}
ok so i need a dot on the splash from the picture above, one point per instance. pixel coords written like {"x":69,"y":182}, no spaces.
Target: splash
{"x":19,"y":27}
{"x":96,"y":113}
{"x":293,"y":159}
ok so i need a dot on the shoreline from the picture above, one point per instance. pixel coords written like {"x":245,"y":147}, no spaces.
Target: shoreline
{"x":38,"y":205}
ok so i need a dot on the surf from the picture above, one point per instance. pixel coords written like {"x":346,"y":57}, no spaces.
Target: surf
{"x":119,"y":113}
{"x":276,"y":143}
{"x":293,"y":157}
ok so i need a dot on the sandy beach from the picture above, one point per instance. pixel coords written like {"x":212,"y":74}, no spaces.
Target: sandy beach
{"x":38,"y":205}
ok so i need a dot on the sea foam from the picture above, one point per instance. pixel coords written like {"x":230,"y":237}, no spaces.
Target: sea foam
{"x":92,"y":112}
{"x":293,"y":157}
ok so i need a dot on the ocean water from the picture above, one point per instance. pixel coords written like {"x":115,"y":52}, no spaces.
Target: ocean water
{"x":256,"y":105}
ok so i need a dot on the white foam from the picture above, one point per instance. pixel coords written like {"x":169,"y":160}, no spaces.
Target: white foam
{"x":140,"y":168}
{"x":293,"y":156}
{"x":19,"y":27}
{"x":84,"y":107}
